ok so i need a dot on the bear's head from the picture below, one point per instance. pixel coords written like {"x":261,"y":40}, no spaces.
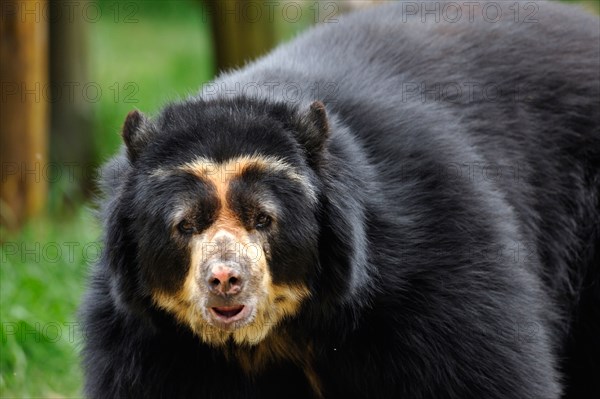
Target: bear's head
{"x":217,"y":217}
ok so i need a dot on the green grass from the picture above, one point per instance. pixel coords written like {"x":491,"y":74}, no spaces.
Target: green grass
{"x":42,"y":274}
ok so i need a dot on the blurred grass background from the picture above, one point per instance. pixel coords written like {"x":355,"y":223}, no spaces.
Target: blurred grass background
{"x":165,"y":55}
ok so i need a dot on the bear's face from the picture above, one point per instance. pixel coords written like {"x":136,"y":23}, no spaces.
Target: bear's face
{"x":224,"y":220}
{"x":226,"y":225}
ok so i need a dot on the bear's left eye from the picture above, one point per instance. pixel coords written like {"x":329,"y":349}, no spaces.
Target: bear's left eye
{"x":186,"y":227}
{"x":262,"y":221}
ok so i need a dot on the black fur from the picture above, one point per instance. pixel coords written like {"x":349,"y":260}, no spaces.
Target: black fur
{"x":455,"y":248}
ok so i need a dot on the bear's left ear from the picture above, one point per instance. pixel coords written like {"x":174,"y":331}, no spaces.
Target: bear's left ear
{"x":315,"y":131}
{"x":135,"y":134}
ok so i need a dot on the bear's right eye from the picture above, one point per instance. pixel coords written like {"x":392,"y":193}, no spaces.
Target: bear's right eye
{"x":262,"y":221}
{"x":186,"y":227}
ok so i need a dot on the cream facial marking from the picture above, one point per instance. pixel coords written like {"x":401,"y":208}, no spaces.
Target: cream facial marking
{"x":222,"y":172}
{"x":248,"y":306}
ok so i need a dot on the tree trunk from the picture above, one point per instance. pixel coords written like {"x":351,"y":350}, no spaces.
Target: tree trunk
{"x":71,"y":139}
{"x":242,"y":30}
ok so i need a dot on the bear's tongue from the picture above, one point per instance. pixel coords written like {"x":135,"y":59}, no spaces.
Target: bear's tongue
{"x":228,"y":311}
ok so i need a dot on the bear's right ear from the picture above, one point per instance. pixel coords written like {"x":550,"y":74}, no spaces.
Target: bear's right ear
{"x":135,"y":134}
{"x":315,"y":132}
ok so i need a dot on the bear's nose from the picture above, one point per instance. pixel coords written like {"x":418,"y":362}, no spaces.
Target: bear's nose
{"x":224,"y":280}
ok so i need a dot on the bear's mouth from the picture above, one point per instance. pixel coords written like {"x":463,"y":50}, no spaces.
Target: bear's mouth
{"x":228,"y":311}
{"x":230,"y":317}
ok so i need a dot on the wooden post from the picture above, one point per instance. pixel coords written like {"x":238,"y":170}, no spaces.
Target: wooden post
{"x":24,"y":109}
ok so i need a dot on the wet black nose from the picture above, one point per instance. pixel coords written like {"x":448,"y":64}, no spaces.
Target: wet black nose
{"x":224,"y":280}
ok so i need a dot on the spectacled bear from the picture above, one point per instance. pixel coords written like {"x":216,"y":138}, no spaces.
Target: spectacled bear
{"x":392,"y":206}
